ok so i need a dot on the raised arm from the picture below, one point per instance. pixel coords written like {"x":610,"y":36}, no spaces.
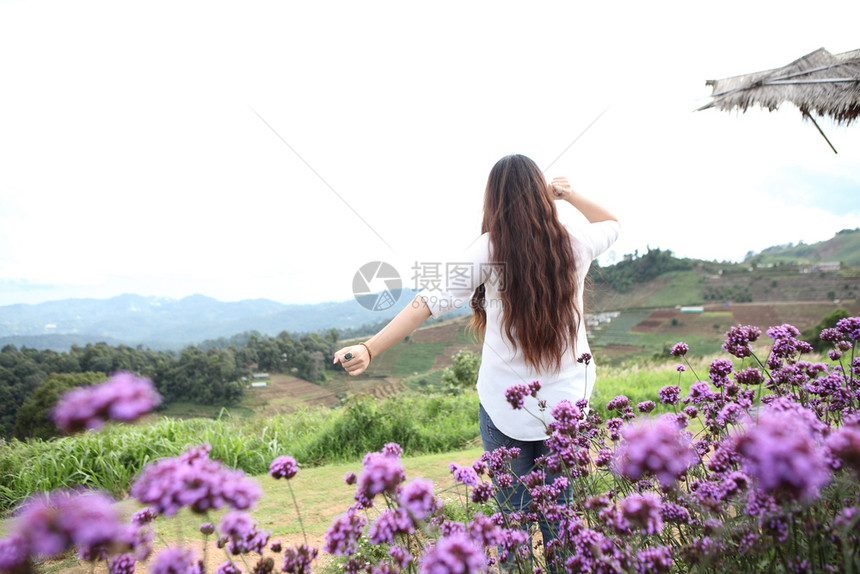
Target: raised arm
{"x":409,"y":319}
{"x":593,"y":212}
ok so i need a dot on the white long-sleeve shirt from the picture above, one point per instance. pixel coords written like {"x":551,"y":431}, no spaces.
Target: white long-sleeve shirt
{"x":501,"y":365}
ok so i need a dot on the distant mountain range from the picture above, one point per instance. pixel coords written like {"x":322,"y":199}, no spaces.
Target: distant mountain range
{"x":162,"y":323}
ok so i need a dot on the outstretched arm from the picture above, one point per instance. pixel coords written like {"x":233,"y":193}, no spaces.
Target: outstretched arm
{"x":593,"y":212}
{"x":409,"y":319}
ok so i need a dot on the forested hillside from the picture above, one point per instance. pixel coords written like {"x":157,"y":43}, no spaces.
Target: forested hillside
{"x":201,"y":375}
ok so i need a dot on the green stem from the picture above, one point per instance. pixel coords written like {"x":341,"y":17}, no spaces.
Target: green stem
{"x":298,"y":512}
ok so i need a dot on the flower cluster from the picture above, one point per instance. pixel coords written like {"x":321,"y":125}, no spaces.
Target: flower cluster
{"x":192,"y":480}
{"x":284,"y":467}
{"x":124,"y":397}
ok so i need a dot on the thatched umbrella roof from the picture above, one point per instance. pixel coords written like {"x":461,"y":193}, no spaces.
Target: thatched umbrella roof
{"x":821,"y":82}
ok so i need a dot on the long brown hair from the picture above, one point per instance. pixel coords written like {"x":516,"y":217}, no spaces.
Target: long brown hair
{"x":532,"y":253}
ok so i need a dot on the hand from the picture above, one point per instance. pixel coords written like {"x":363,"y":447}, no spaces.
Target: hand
{"x":357,"y":363}
{"x":559,"y":188}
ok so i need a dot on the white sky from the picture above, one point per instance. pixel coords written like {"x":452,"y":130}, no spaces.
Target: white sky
{"x":132,"y":159}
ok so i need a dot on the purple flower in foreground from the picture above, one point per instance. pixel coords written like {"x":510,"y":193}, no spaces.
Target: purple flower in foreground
{"x":454,"y":554}
{"x":228,"y":567}
{"x":417,"y":497}
{"x":643,"y":512}
{"x":516,"y":395}
{"x":343,"y":534}
{"x":750,"y":376}
{"x":738,"y":340}
{"x":298,"y":560}
{"x":653,"y":447}
{"x":123,"y":397}
{"x":49,"y":524}
{"x":382,"y":473}
{"x":392,"y":449}
{"x":654,"y":560}
{"x":669,"y":394}
{"x":845,"y":443}
{"x":144,"y":516}
{"x":618,"y":403}
{"x":646,"y":406}
{"x":781,"y":453}
{"x":174,"y":560}
{"x":464,"y":474}
{"x":284,"y":467}
{"x":121,"y":564}
{"x":13,"y":552}
{"x":389,"y":524}
{"x":584,"y":358}
{"x":850,"y":326}
{"x":195,"y":481}
{"x":679,"y":349}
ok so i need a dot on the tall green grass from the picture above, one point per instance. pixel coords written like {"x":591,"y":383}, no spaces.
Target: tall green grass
{"x":112,"y":458}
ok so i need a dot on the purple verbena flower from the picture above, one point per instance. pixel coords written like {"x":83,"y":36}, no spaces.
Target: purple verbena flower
{"x":738,"y":340}
{"x":381,"y":473}
{"x":173,"y":560}
{"x":845,"y":444}
{"x":342,"y":536}
{"x":646,"y":406}
{"x":464,"y":474}
{"x":679,"y":349}
{"x":350,"y":478}
{"x":850,"y":326}
{"x":618,"y":403}
{"x":719,"y":371}
{"x":750,"y":376}
{"x":51,"y":523}
{"x":144,"y":516}
{"x":228,"y":567}
{"x":654,"y":560}
{"x":643,"y":512}
{"x":193,"y":480}
{"x":670,"y":394}
{"x":453,"y":554}
{"x":284,"y":467}
{"x":482,"y":492}
{"x":123,"y":397}
{"x":584,"y":358}
{"x":389,"y":524}
{"x":780,"y":452}
{"x":516,"y":395}
{"x":534,"y":388}
{"x":392,"y":449}
{"x":298,"y":560}
{"x":831,"y":335}
{"x":700,"y":392}
{"x":14,"y":552}
{"x":565,"y":416}
{"x":121,"y":564}
{"x":417,"y":497}
{"x":656,"y":448}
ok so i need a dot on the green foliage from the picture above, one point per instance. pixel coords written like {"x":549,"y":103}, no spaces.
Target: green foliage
{"x":812,"y":335}
{"x":112,"y":458}
{"x":33,"y":420}
{"x":417,"y":358}
{"x":638,"y":269}
{"x":463,"y":373}
{"x":206,"y":375}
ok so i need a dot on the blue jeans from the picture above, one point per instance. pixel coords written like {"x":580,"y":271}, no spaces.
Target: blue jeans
{"x":517,"y":497}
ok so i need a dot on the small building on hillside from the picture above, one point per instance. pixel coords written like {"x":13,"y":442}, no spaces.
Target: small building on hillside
{"x":826,"y":267}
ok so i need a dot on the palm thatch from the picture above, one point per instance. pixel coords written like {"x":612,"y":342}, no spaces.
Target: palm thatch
{"x":828,"y":84}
